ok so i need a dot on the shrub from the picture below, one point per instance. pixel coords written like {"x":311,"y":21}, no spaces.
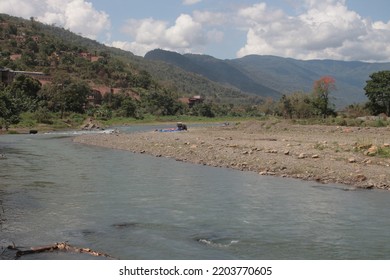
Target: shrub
{"x":43,"y":115}
{"x":384,"y":152}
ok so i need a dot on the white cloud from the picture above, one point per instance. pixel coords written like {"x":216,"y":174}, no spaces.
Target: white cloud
{"x":191,"y":2}
{"x":260,"y":13}
{"x":78,"y":16}
{"x":25,"y":9}
{"x":325,"y":29}
{"x":314,"y":29}
{"x":134,"y":47}
{"x":185,"y":35}
{"x":210,"y":18}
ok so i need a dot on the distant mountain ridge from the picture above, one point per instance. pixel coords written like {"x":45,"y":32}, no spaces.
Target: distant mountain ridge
{"x":273,"y":76}
{"x":216,"y":70}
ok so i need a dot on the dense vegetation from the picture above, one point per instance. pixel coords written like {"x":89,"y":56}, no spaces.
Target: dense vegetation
{"x":272,"y":76}
{"x":78,"y":65}
{"x":133,"y":87}
{"x":378,"y":92}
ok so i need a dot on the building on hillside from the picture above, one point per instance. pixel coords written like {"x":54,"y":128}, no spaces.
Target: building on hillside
{"x":85,"y":55}
{"x":40,"y":76}
{"x":19,"y":38}
{"x":8,"y":75}
{"x":99,"y":91}
{"x":36,"y":38}
{"x":90,"y":57}
{"x":94,"y":98}
{"x":196,"y":99}
{"x":15,"y":56}
{"x":95,"y":58}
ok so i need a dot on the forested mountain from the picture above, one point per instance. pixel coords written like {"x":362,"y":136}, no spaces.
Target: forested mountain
{"x":273,"y":76}
{"x":29,"y":45}
{"x":216,"y":70}
{"x":288,"y":75}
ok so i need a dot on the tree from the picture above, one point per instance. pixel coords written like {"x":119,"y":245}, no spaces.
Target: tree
{"x":161,"y":103}
{"x":203,"y":110}
{"x":66,"y":94}
{"x":123,"y":104}
{"x":378,"y":92}
{"x":287,"y":109}
{"x":28,"y":85}
{"x":143,"y":80}
{"x":321,"y":90}
{"x":298,"y":105}
{"x":9,"y":111}
{"x":128,"y":108}
{"x":24,"y":90}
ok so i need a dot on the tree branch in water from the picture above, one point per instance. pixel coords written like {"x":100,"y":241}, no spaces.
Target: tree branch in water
{"x":62,"y":246}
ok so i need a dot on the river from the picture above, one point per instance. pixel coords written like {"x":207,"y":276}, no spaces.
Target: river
{"x":135,"y":206}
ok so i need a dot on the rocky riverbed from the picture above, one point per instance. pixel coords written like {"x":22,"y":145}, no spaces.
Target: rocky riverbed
{"x":356,"y":156}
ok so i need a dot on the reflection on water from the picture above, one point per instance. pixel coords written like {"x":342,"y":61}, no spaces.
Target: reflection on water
{"x":139,"y":207}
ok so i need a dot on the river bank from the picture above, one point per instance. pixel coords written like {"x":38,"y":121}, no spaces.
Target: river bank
{"x":356,"y":156}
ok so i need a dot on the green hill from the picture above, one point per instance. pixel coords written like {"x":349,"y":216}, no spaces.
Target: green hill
{"x":28,"y":45}
{"x":273,"y":76}
{"x":216,"y":70}
{"x":288,"y":75}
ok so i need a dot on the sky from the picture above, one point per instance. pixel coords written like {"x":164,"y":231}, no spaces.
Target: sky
{"x":226,"y":29}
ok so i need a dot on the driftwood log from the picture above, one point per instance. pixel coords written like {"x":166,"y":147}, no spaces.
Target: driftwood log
{"x":62,"y":246}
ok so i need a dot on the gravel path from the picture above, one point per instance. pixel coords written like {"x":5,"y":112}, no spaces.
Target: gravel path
{"x":327,"y":154}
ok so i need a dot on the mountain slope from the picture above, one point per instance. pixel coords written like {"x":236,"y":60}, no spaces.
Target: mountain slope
{"x":56,"y":51}
{"x":213,"y":69}
{"x":288,"y":75}
{"x":273,"y":76}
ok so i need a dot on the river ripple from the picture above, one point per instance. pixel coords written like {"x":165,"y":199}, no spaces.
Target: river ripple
{"x":139,"y":207}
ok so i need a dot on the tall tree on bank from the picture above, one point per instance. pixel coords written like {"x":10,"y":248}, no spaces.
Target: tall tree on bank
{"x":321,"y":90}
{"x":378,"y":92}
{"x":9,"y":111}
{"x":66,"y":94}
{"x":24,"y":91}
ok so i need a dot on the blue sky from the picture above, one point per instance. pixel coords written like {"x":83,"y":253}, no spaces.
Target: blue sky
{"x":301,"y":29}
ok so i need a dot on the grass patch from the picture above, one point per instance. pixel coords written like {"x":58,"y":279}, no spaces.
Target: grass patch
{"x":12,"y":132}
{"x":149,"y":119}
{"x":383,"y":152}
{"x":342,"y":121}
{"x":320,"y":146}
{"x":372,"y":148}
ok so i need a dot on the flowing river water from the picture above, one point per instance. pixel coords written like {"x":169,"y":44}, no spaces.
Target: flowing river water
{"x":135,"y":206}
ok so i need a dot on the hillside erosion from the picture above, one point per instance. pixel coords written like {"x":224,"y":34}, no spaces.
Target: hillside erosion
{"x":328,"y":154}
